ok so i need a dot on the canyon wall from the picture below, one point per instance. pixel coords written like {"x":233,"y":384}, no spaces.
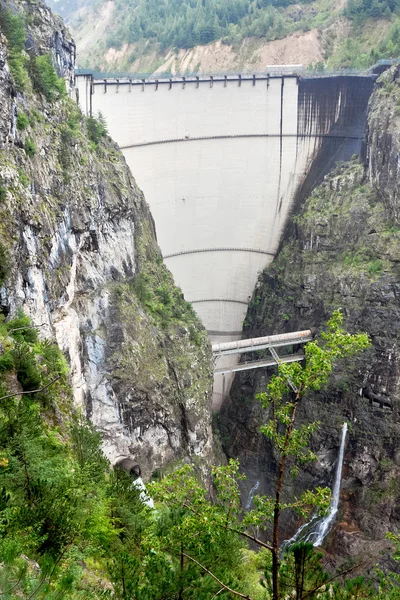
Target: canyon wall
{"x":79,"y":255}
{"x":341,"y":250}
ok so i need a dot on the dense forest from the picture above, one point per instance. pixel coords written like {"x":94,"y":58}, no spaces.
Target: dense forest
{"x":187,"y":23}
{"x":361,"y":9}
{"x":141,"y":28}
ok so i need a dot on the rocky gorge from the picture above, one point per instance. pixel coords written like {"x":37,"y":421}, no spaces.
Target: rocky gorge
{"x":78,"y":254}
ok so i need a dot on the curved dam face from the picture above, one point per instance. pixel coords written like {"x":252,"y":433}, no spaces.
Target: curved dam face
{"x":221,"y":163}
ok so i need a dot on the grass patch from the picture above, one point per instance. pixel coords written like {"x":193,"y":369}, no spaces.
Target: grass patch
{"x":161,"y":299}
{"x":3,"y":193}
{"x":23,"y":178}
{"x":22,"y":121}
{"x":5,"y":264}
{"x":375,"y":268}
{"x":30,"y":147}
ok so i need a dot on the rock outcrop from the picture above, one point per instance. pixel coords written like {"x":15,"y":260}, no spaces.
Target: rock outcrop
{"x":341,"y":250}
{"x":78,"y":253}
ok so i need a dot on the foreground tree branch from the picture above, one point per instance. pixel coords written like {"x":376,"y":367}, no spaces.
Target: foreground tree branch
{"x":226,"y":587}
{"x":31,"y":391}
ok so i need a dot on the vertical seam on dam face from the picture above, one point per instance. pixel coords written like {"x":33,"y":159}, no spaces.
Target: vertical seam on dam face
{"x":280,"y":145}
{"x":221,"y":204}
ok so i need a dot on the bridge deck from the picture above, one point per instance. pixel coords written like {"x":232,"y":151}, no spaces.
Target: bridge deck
{"x":261,"y":343}
{"x":257,"y":364}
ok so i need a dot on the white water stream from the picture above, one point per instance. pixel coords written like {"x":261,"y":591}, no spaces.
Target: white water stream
{"x":251,"y":494}
{"x":317,"y":529}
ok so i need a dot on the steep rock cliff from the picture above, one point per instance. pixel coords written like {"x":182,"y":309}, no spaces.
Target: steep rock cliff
{"x":341,"y":250}
{"x":78,"y":253}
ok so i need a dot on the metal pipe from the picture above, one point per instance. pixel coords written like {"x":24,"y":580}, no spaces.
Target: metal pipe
{"x":254,"y":344}
{"x":257,"y":364}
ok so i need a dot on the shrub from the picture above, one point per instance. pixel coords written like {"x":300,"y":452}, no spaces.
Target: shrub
{"x":375,"y":267}
{"x":3,"y":193}
{"x":13,"y":27}
{"x":96,"y":128}
{"x":18,"y":70}
{"x":20,"y":328}
{"x":23,"y":177}
{"x":4,"y":264}
{"x":30,"y":147}
{"x":22,"y":121}
{"x":44,"y":78}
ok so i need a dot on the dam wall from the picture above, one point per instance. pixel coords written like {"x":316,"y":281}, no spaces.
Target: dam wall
{"x":222,"y":162}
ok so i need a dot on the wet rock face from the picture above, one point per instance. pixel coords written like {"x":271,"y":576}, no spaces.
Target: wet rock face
{"x":77,"y":234}
{"x":342,"y":250}
{"x":6,"y":102}
{"x":384,"y":141}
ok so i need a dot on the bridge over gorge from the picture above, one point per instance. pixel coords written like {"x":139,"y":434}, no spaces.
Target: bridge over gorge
{"x":253,"y":345}
{"x":222,"y":162}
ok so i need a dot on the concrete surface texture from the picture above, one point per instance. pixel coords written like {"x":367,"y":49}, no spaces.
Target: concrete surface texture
{"x":221,"y":164}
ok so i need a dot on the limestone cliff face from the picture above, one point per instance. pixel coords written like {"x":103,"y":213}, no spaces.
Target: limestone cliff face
{"x":78,"y":252}
{"x":341,"y":250}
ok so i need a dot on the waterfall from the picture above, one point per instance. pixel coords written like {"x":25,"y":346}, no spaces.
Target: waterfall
{"x":251,"y":494}
{"x":143,"y":496}
{"x":317,"y":529}
{"x":321,"y":528}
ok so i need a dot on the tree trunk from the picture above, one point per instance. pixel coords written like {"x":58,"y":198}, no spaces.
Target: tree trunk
{"x":277,"y":509}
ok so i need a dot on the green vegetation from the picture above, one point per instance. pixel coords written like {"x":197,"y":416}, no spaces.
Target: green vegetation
{"x":44,"y":78}
{"x":24,"y":179}
{"x":30,"y":147}
{"x":186,"y":23}
{"x":291,"y":443}
{"x":24,"y":68}
{"x":71,"y":528}
{"x":22,"y":121}
{"x":160,"y":298}
{"x":13,"y":27}
{"x":155,"y":27}
{"x":362,"y":9}
{"x":96,"y":128}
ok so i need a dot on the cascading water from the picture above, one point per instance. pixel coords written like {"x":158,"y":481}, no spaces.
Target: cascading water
{"x":143,"y":496}
{"x":251,"y":494}
{"x":315,"y":530}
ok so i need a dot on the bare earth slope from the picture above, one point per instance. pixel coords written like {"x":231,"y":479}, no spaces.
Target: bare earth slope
{"x":93,"y":24}
{"x":315,"y":32}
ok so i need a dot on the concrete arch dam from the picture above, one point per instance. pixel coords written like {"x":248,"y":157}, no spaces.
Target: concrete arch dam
{"x":221,"y":162}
